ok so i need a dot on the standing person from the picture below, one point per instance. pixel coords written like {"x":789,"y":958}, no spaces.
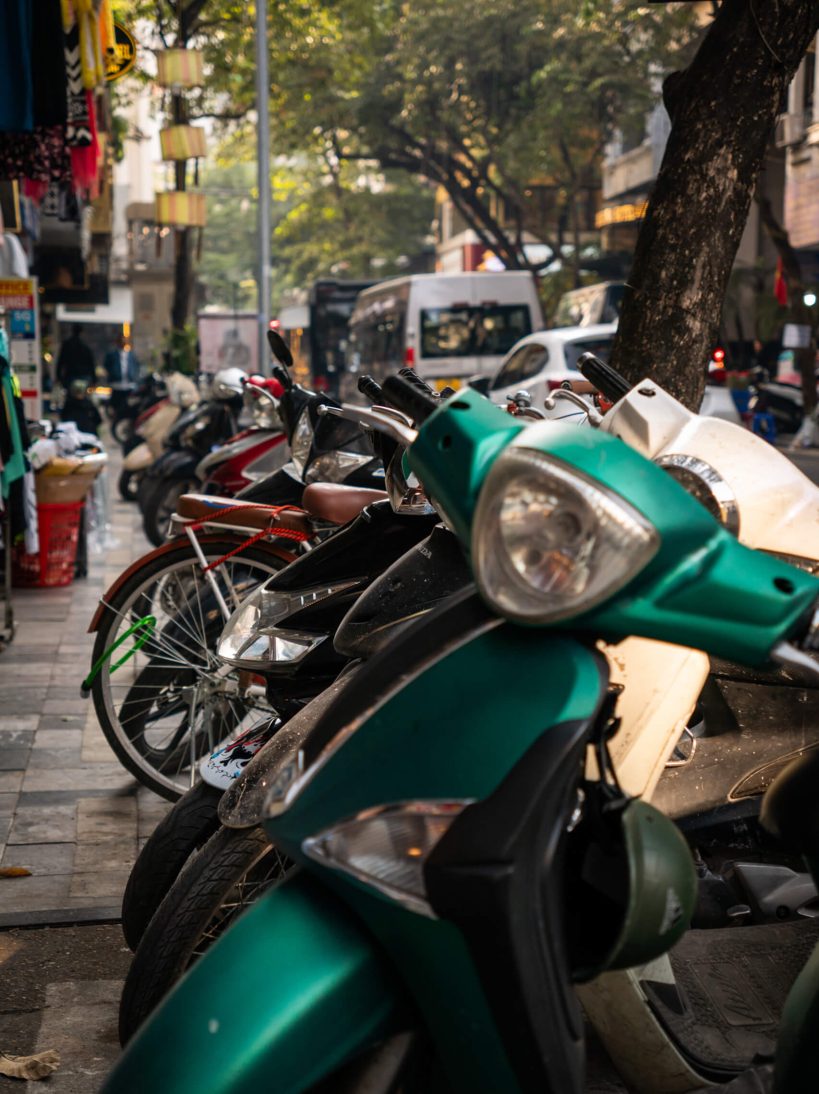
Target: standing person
{"x":121,"y":363}
{"x":76,"y":361}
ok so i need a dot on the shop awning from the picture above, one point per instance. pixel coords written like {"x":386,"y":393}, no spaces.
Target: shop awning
{"x":119,"y":309}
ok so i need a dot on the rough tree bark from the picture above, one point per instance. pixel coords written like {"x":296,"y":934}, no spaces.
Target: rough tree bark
{"x":799,"y":311}
{"x":722,"y":108}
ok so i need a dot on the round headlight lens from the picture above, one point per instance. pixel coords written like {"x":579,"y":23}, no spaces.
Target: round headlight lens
{"x":549,"y":543}
{"x":302,"y":441}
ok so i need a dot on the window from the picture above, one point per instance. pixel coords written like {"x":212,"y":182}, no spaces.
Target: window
{"x":483,"y":330}
{"x":600,"y":347}
{"x":527,"y":362}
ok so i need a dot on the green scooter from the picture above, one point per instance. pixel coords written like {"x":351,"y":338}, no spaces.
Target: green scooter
{"x":458,"y":872}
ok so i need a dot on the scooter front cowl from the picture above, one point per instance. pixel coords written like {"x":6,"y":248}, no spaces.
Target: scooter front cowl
{"x":290,"y":993}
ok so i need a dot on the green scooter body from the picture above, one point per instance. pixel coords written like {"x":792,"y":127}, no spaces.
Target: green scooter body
{"x":298,"y":957}
{"x":453,"y":729}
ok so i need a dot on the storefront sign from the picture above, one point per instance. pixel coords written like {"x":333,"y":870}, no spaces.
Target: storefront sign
{"x":124,"y":56}
{"x":796,"y":336}
{"x":20,"y":317}
{"x":620,"y":214}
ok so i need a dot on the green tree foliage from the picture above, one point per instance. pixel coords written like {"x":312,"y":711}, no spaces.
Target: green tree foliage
{"x":347,"y":223}
{"x":226,"y":266}
{"x":482,"y":100}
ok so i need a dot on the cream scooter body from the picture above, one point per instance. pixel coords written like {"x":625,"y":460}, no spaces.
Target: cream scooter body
{"x":776,"y":508}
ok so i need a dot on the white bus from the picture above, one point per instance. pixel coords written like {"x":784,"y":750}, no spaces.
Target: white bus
{"x":447,"y":326}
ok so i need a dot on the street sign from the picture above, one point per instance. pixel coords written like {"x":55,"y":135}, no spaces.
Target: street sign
{"x":19,"y":301}
{"x":124,"y":56}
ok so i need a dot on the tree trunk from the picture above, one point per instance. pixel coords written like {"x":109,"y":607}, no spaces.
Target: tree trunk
{"x":723,"y":109}
{"x":800,"y":313}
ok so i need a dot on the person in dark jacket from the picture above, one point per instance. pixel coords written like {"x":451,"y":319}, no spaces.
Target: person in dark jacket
{"x":76,"y":361}
{"x":121,"y":364}
{"x":79,"y":408}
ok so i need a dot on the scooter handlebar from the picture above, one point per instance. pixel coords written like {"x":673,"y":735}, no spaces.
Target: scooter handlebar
{"x":607,"y":380}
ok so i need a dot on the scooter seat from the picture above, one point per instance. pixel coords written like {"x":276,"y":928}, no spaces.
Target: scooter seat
{"x":245,"y":515}
{"x":338,"y":504}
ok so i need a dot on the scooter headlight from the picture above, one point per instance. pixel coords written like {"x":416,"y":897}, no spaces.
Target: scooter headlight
{"x":549,"y":543}
{"x":387,"y":846}
{"x":302,"y":441}
{"x":335,"y":466}
{"x":251,"y":636}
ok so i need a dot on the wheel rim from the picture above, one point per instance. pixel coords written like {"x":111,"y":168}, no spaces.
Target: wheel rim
{"x":268,"y":868}
{"x":174,"y":681}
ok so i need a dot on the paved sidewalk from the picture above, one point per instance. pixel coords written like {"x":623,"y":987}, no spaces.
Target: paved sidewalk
{"x":69,"y":812}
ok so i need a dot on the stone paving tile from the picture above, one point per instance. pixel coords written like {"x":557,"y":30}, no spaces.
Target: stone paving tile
{"x":73,"y":705}
{"x":17,"y":721}
{"x":13,"y":759}
{"x":64,"y":721}
{"x":16,"y":738}
{"x":113,"y":856}
{"x":110,"y":776}
{"x":68,"y":810}
{"x":44,"y":824}
{"x":27,"y":894}
{"x":99,"y":885}
{"x":41,"y":858}
{"x":103,"y":820}
{"x":57,"y":758}
{"x":10,"y":780}
{"x":65,"y":737}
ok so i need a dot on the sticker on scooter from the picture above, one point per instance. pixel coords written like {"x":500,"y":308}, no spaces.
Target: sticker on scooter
{"x":228,"y":762}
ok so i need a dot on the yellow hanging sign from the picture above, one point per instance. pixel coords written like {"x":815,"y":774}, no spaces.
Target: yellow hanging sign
{"x":123,"y":56}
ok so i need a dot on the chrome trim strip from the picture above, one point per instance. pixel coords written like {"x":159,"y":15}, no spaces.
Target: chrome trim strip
{"x":722,"y":494}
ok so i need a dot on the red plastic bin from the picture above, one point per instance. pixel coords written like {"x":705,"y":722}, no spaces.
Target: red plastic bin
{"x":59,"y":531}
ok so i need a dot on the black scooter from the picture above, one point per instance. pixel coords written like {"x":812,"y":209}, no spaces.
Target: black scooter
{"x":193,"y":436}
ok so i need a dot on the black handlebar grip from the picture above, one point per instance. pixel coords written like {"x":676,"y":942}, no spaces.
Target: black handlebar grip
{"x":607,"y":380}
{"x":412,"y":377}
{"x":283,"y":376}
{"x":410,"y":398}
{"x":369,"y":389}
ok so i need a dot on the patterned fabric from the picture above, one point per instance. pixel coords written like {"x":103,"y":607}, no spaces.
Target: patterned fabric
{"x":41,"y":155}
{"x":78,"y":128}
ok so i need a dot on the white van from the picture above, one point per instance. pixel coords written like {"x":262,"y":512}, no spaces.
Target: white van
{"x":447,"y":326}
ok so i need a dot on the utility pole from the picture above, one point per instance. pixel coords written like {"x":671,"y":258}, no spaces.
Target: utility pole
{"x":263,"y":179}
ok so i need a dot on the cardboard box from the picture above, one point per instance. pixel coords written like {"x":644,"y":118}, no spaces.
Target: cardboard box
{"x":62,"y":489}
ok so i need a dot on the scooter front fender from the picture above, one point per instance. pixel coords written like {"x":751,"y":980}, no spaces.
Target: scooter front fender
{"x":294,"y":989}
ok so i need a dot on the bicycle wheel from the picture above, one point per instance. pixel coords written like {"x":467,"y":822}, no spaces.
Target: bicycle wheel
{"x":162,"y":697}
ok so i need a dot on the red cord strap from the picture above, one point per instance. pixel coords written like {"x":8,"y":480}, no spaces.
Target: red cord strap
{"x":273,"y":510}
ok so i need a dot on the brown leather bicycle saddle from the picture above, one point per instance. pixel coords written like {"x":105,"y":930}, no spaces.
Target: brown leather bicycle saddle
{"x":338,"y":504}
{"x":246,"y":515}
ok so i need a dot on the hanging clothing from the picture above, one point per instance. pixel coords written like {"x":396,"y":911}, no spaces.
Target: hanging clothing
{"x":16,"y":80}
{"x":12,"y":447}
{"x":78,"y":131}
{"x":13,"y":261}
{"x":48,"y":65}
{"x":31,"y":516}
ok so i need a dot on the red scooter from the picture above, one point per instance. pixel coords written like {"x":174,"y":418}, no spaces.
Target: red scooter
{"x":252,"y":453}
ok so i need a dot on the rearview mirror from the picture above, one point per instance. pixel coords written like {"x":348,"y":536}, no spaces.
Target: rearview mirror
{"x":279,"y":348}
{"x":480,"y":384}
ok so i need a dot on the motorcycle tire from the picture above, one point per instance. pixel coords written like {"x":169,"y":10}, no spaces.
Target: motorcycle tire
{"x":160,"y":504}
{"x":122,"y":430}
{"x":184,"y":829}
{"x":232,"y":869}
{"x":128,"y":485}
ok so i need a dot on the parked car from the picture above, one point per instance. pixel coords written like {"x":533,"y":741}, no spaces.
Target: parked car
{"x":541,"y":362}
